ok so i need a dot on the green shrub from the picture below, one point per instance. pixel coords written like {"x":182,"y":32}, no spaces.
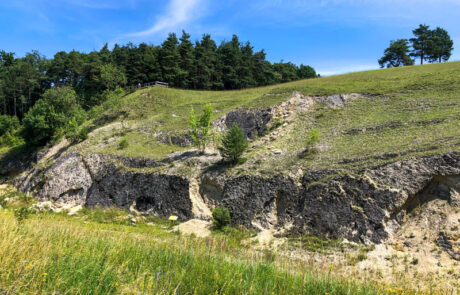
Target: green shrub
{"x":23,"y":213}
{"x":233,"y":145}
{"x":123,"y":144}
{"x":11,"y":139}
{"x":53,"y":116}
{"x":313,"y":138}
{"x":78,"y":134}
{"x":221,"y":217}
{"x":8,"y":124}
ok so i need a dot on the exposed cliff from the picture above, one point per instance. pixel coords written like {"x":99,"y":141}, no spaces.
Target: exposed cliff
{"x":367,"y":206}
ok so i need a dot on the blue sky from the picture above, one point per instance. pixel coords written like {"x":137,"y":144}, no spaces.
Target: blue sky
{"x":334,"y":36}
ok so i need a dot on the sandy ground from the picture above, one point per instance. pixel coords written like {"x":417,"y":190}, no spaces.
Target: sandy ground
{"x":200,"y":228}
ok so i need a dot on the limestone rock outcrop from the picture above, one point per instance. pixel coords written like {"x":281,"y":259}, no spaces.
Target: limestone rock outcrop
{"x":365,"y":206}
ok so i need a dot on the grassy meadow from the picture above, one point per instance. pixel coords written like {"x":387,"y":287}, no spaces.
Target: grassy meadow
{"x":57,"y":254}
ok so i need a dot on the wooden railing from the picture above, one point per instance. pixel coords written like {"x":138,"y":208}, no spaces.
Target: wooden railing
{"x":150,"y":84}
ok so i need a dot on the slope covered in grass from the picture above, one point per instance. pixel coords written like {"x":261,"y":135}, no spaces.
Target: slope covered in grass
{"x":55,"y":254}
{"x":404,"y":111}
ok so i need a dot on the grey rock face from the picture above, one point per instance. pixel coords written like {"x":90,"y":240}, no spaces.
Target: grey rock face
{"x":100,"y":180}
{"x":70,"y":181}
{"x":252,"y":122}
{"x":261,"y":202}
{"x":366,"y":206}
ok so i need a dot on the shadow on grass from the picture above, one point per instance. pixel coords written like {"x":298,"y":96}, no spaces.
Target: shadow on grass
{"x":17,"y":159}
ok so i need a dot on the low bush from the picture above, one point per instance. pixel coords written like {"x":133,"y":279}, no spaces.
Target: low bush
{"x":221,"y":217}
{"x":78,"y":135}
{"x":123,"y":144}
{"x":23,"y":213}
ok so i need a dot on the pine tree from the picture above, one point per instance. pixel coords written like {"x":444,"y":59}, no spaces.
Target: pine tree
{"x":169,"y":60}
{"x":206,"y":74}
{"x":441,"y":46}
{"x":396,"y":55}
{"x":233,"y":145}
{"x":229,"y":55}
{"x":247,"y":67}
{"x":422,"y":42}
{"x":186,"y":51}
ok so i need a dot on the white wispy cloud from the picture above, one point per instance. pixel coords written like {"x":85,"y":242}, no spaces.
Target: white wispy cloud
{"x":178,"y":12}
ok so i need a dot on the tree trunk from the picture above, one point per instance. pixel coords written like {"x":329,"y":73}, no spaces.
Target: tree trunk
{"x":421,"y":58}
{"x":28,"y":101}
{"x":14,"y":101}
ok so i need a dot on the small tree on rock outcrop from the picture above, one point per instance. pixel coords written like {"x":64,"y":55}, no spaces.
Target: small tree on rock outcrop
{"x":201,"y":127}
{"x":233,"y":145}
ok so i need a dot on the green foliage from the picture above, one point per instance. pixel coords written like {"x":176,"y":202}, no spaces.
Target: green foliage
{"x":22,"y":213}
{"x":52,"y":116}
{"x":233,"y":145}
{"x":186,"y":62}
{"x":396,"y":55}
{"x":305,"y":72}
{"x":313,"y":137}
{"x":287,"y":71}
{"x":9,"y":131}
{"x":421,"y":42}
{"x":200,"y":127}
{"x":431,"y":45}
{"x":221,"y":217}
{"x":123,"y":144}
{"x":11,"y":139}
{"x":169,"y":60}
{"x":441,"y":45}
{"x":8,"y":124}
{"x":76,"y":134}
{"x":111,"y":100}
{"x":112,"y":76}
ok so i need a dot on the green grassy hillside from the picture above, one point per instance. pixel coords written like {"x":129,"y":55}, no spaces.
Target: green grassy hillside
{"x":407,"y":111}
{"x":98,"y":253}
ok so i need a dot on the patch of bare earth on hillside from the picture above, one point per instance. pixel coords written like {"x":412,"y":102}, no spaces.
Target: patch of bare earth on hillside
{"x":197,"y":227}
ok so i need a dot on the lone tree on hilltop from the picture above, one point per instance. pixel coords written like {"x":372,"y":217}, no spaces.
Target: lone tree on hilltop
{"x":396,"y":55}
{"x":441,"y":45}
{"x":422,"y":42}
{"x":233,"y":145}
